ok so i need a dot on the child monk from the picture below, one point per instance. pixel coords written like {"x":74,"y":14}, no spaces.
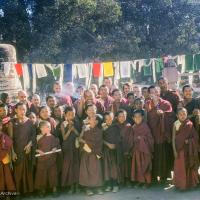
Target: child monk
{"x":126,"y":134}
{"x":46,"y":167}
{"x":112,"y":151}
{"x":70,"y":129}
{"x":142,"y":150}
{"x":6,"y":177}
{"x":185,"y":146}
{"x":45,"y":114}
{"x":23,"y":134}
{"x":90,"y":165}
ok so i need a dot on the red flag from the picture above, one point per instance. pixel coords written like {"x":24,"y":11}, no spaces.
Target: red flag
{"x":96,"y":70}
{"x":19,"y":69}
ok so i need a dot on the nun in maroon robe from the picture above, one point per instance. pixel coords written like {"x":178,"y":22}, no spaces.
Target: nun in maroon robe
{"x":112,"y":158}
{"x":142,"y":153}
{"x":23,"y":133}
{"x":160,"y":119}
{"x":46,"y":168}
{"x":90,"y":165}
{"x":126,"y":133}
{"x":187,"y":162}
{"x":6,"y":176}
{"x":70,"y":149}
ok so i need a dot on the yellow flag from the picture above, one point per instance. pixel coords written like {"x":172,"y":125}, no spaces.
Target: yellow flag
{"x":108,"y":69}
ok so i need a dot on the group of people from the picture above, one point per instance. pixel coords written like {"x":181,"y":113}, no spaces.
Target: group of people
{"x":105,"y":139}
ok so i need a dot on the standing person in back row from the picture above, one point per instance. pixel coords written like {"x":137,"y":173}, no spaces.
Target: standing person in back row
{"x":191,"y":104}
{"x":168,"y":95}
{"x":160,"y":118}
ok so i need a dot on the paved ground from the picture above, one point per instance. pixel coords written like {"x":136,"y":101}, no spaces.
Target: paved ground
{"x":153,"y":193}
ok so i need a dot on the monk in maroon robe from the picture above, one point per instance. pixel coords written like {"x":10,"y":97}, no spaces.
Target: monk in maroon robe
{"x":70,"y":129}
{"x":119,"y":102}
{"x":126,"y":133}
{"x":35,"y":106}
{"x":105,"y":98}
{"x":88,"y":99}
{"x":142,"y":150}
{"x":90,"y":164}
{"x":45,"y":114}
{"x":186,"y":149}
{"x":160,"y":120}
{"x":112,"y":154}
{"x":46,"y":167}
{"x":6,"y":176}
{"x":168,"y":95}
{"x":23,"y":134}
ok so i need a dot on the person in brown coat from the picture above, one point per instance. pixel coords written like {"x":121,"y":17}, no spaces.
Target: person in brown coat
{"x":125,"y":133}
{"x":6,"y":176}
{"x":112,"y":154}
{"x":186,"y":147}
{"x":46,"y":167}
{"x":91,"y":176}
{"x":142,"y":150}
{"x":23,"y":134}
{"x":70,"y":129}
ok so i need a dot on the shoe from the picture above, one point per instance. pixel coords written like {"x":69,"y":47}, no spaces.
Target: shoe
{"x":99,"y":192}
{"x":108,"y":189}
{"x":115,"y":189}
{"x":89,"y":193}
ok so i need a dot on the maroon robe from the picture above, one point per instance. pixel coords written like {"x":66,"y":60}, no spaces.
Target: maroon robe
{"x":126,"y":135}
{"x":172,"y":97}
{"x":117,"y":106}
{"x":100,"y":107}
{"x":161,"y":127}
{"x":63,"y":100}
{"x":107,"y":103}
{"x":142,"y":153}
{"x":35,"y":109}
{"x":46,"y":168}
{"x":90,"y":165}
{"x":23,"y":133}
{"x":6,"y":176}
{"x":70,"y":167}
{"x":113,"y":158}
{"x":187,"y":163}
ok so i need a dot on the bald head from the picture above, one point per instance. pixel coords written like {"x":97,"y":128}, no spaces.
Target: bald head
{"x":22,"y":96}
{"x":35,"y":100}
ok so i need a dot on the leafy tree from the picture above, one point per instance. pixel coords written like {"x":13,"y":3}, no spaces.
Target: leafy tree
{"x":84,"y":30}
